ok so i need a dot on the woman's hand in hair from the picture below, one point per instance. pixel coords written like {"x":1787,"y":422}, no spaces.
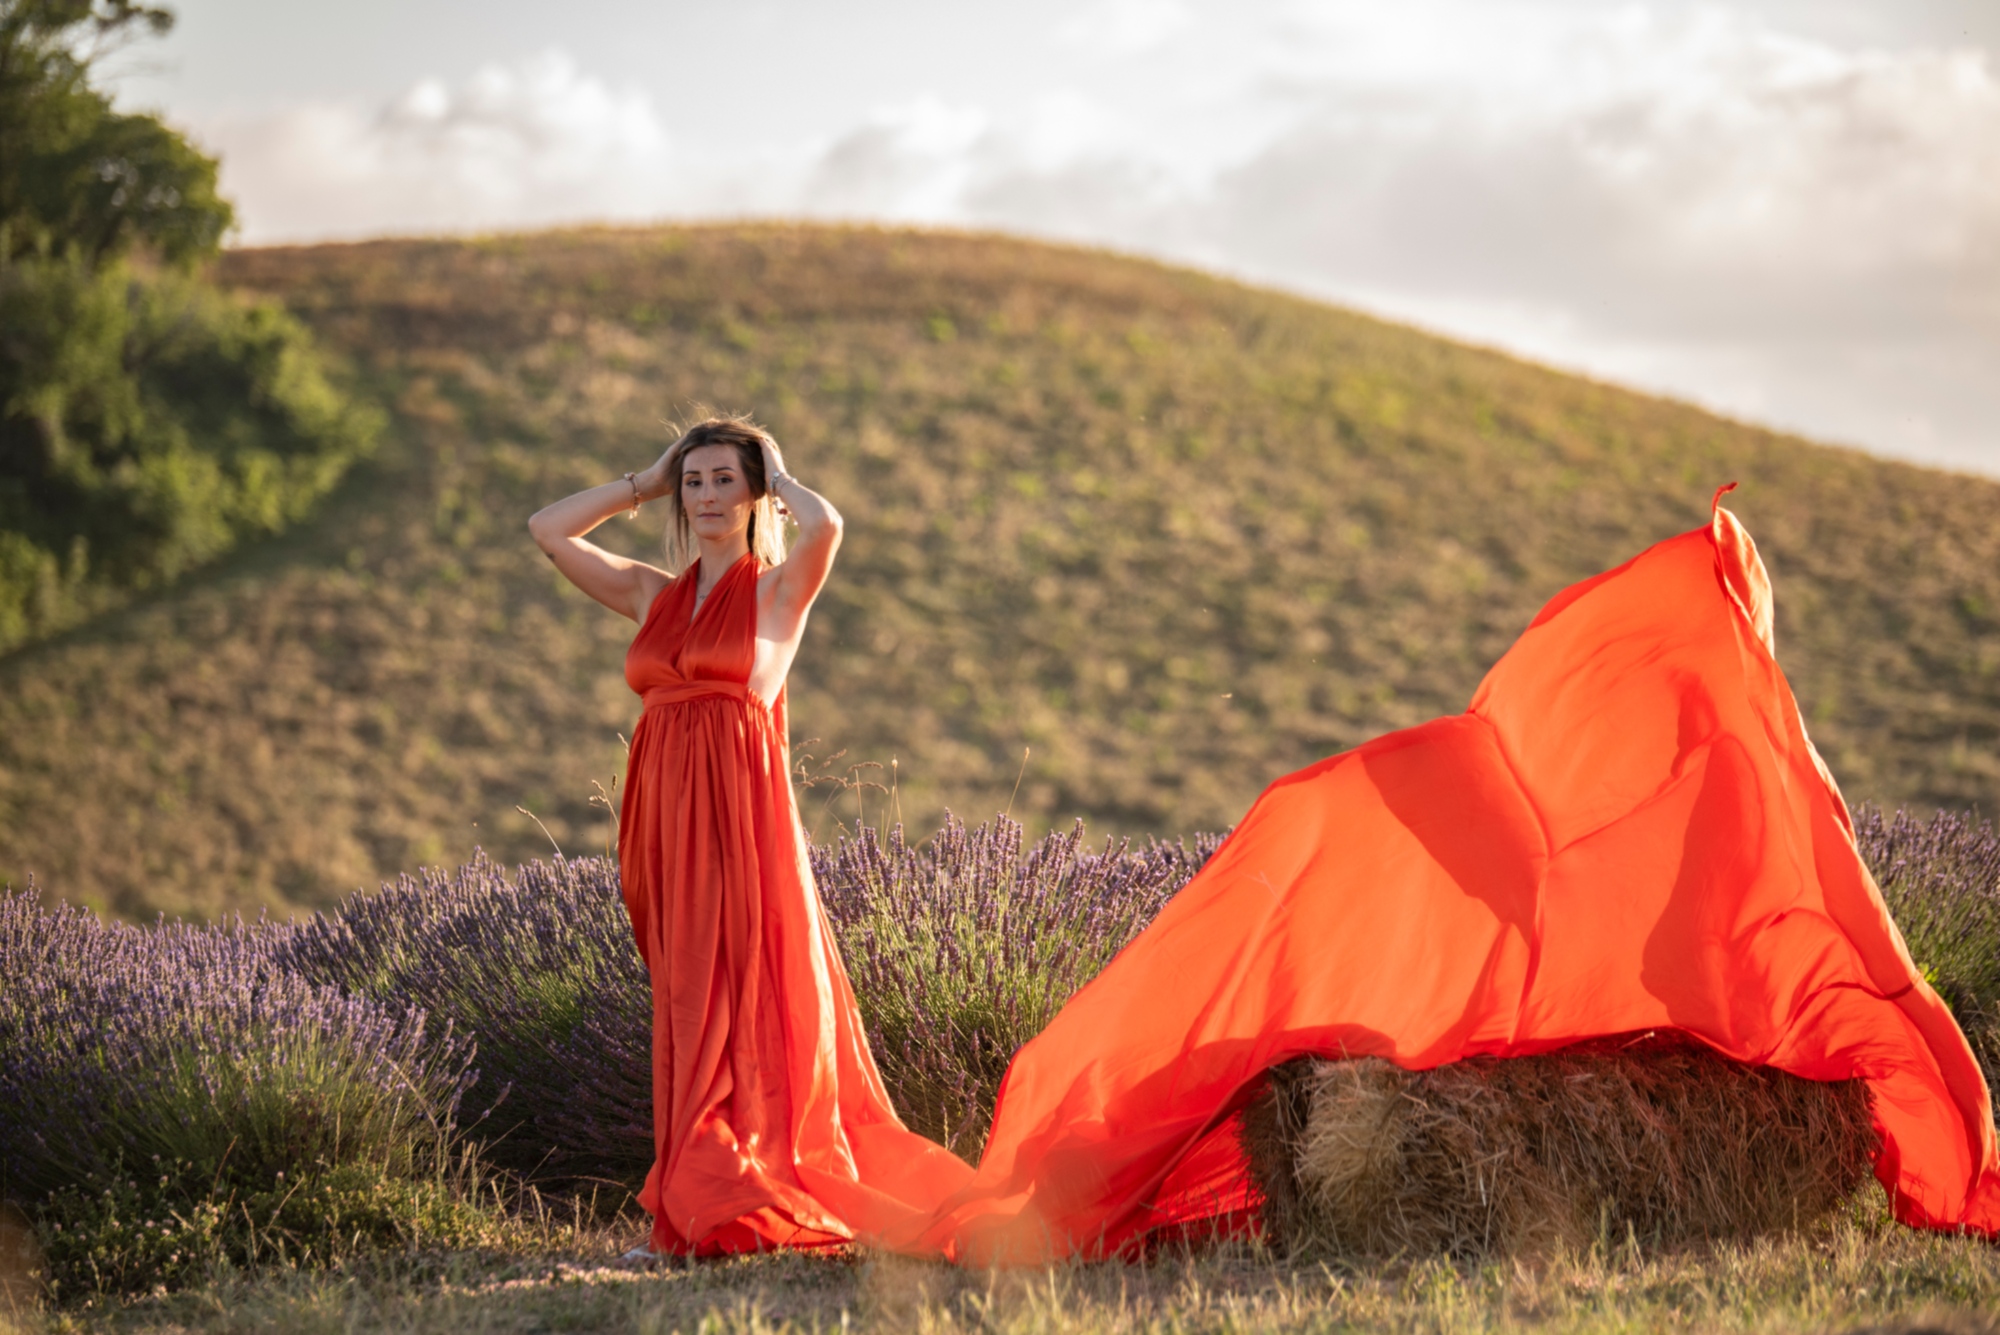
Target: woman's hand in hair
{"x":774,"y":470}
{"x":653,"y":481}
{"x":799,"y":578}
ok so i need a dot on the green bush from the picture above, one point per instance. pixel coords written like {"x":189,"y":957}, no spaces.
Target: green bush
{"x":148,"y":423}
{"x":176,"y":1098}
{"x":76,"y":171}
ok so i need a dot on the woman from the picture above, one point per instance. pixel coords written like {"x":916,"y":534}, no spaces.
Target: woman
{"x":771,"y":1126}
{"x":1628,"y":830}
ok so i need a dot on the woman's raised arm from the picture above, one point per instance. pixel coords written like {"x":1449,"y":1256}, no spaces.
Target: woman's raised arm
{"x":803,"y":573}
{"x":620,"y":583}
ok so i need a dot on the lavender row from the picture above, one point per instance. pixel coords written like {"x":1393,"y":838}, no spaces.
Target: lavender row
{"x":541,"y":966}
{"x":251,"y":1050}
{"x":961,"y":949}
{"x":1941,"y":879}
{"x":201,"y":1049}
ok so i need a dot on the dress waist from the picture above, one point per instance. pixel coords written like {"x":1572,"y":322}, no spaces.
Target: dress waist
{"x":681,"y":691}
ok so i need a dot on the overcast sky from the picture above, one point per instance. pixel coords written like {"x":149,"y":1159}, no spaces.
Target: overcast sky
{"x":1787,"y":211}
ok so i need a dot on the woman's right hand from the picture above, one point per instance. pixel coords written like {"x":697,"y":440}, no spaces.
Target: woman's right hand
{"x":653,"y":483}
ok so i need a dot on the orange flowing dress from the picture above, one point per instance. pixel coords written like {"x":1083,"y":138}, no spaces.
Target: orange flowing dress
{"x":771,"y":1125}
{"x":1628,"y":830}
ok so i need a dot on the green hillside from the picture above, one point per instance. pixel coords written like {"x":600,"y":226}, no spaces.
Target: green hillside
{"x":1176,"y":535}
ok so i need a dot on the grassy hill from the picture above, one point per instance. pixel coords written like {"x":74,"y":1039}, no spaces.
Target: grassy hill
{"x":1176,"y":535}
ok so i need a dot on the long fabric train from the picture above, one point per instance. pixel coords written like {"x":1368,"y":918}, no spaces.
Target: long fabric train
{"x":1628,"y":830}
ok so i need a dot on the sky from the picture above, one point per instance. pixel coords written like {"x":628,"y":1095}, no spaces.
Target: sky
{"x":1786,"y":211}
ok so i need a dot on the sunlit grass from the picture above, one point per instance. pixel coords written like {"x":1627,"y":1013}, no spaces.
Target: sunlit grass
{"x":1862,"y":1271}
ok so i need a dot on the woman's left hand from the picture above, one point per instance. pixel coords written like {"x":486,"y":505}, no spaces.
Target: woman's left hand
{"x":774,"y":468}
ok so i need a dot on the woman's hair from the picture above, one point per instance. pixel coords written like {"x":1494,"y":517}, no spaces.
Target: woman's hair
{"x":767,"y":527}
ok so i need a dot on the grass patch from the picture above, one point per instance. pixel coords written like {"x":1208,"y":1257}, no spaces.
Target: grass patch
{"x":1859,"y":1272}
{"x":170,"y":1227}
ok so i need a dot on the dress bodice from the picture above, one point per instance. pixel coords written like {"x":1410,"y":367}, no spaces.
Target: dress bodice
{"x":683,"y":651}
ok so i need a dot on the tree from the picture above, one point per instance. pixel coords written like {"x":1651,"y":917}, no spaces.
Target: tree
{"x":147,"y":421}
{"x":74,"y":172}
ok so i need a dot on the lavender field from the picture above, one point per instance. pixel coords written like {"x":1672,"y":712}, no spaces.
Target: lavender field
{"x":424,"y":1067}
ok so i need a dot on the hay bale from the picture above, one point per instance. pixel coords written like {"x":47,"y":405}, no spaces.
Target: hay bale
{"x":1655,"y":1136}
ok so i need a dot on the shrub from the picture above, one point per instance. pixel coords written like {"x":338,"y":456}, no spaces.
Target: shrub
{"x":147,"y":421}
{"x":542,"y":967}
{"x":1941,"y":879}
{"x":147,"y":424}
{"x":961,"y":949}
{"x":162,"y":1075}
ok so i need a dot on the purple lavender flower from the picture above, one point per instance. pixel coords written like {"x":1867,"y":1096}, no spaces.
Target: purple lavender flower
{"x":1941,"y":880}
{"x":962,"y":949}
{"x":199,"y":1045}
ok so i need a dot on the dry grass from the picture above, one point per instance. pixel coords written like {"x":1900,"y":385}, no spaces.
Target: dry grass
{"x":1654,"y":1139}
{"x":1856,"y":1273}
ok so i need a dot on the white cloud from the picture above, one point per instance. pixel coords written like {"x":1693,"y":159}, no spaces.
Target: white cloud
{"x":1126,"y":27}
{"x":1687,"y":199}
{"x":1719,"y":188}
{"x":1879,"y":166}
{"x":912,"y":162}
{"x":1060,"y":128}
{"x":515,"y":145}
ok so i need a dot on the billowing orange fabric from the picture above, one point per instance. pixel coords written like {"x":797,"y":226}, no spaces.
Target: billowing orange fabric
{"x":1627,"y":831}
{"x":771,"y":1125}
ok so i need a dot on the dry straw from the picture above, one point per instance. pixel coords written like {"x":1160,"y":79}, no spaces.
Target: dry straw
{"x":1654,"y":1138}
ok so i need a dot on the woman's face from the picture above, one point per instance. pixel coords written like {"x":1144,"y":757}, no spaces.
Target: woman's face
{"x":715,"y":493}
